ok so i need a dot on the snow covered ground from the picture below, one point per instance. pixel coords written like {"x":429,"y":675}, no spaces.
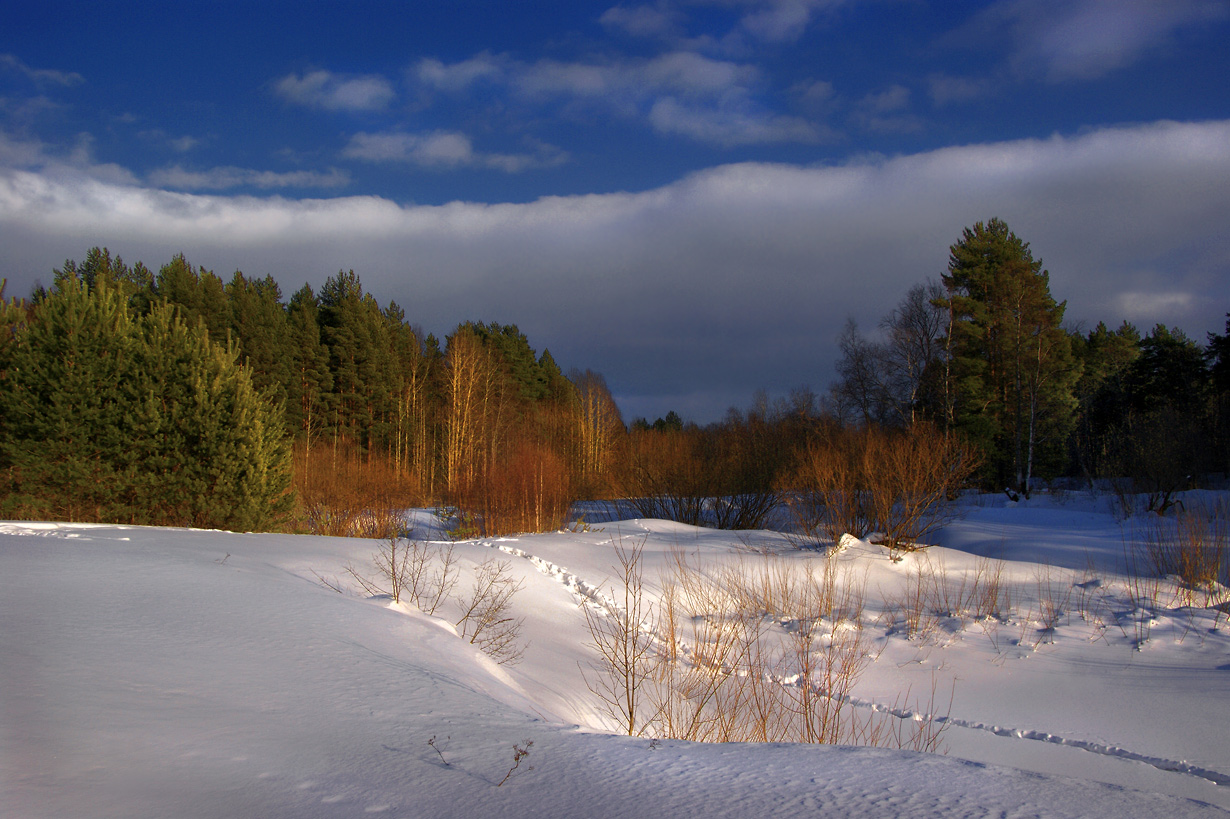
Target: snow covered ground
{"x":159,"y":672}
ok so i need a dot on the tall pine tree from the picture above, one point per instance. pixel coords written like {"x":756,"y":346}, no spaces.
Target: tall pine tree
{"x":1011,"y":375}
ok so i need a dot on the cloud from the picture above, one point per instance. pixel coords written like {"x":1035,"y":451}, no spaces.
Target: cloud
{"x":180,"y":144}
{"x":224,"y":178}
{"x":660,"y":21}
{"x":333,"y":92}
{"x":680,"y":93}
{"x":729,"y":125}
{"x":444,"y":150}
{"x":41,"y":76}
{"x":76,"y":162}
{"x":692,"y":295}
{"x":764,"y":21}
{"x":680,"y":72}
{"x":1067,"y":40}
{"x":460,"y":76}
{"x":945,"y":89}
{"x":20,"y":153}
{"x":1153,"y":308}
{"x":756,"y":22}
{"x":886,"y":112}
{"x":782,"y":20}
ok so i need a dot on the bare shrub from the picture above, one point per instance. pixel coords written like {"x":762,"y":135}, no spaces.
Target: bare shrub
{"x":345,"y":492}
{"x":665,"y":477}
{"x":719,"y":477}
{"x":624,"y":641}
{"x":485,"y":619}
{"x":423,"y":573}
{"x":900,"y":484}
{"x":530,"y":491}
{"x":912,"y":478}
{"x":829,"y":496}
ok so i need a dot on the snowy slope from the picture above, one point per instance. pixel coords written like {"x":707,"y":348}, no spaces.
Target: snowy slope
{"x":155,"y":672}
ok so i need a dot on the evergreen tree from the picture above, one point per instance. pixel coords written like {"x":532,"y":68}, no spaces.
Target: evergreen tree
{"x":1218,"y":353}
{"x":100,"y":268}
{"x":1101,"y":393}
{"x":1011,"y":367}
{"x":259,"y":325}
{"x":517,"y":358}
{"x":1171,"y":371}
{"x":199,"y":294}
{"x":311,"y":383}
{"x":64,"y":401}
{"x":1162,"y":438}
{"x":356,"y":333}
{"x":143,"y":420}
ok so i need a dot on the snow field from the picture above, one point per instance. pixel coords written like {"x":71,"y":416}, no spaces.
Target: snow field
{"x":152,"y":672}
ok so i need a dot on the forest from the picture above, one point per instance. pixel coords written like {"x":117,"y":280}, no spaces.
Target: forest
{"x":179,"y":398}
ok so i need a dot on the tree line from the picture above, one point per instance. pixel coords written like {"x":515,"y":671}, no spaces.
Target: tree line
{"x":372,"y":413}
{"x":984,"y":353}
{"x":116,"y":382}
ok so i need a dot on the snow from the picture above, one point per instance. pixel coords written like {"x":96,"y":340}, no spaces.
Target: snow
{"x":150,"y":672}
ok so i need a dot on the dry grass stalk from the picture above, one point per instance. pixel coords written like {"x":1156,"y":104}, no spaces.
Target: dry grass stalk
{"x":991,"y":598}
{"x":1195,"y":545}
{"x":1053,"y":599}
{"x":915,"y":603}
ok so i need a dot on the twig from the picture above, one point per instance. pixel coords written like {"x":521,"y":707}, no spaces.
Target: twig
{"x":520,"y":752}
{"x":440,"y":753}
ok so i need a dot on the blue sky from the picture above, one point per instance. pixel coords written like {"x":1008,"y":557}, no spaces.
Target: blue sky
{"x":690,"y":196}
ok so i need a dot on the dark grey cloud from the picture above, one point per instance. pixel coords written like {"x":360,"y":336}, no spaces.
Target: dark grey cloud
{"x":693,"y":295}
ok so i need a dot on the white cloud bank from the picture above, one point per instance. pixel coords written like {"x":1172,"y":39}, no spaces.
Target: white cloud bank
{"x":693,"y":295}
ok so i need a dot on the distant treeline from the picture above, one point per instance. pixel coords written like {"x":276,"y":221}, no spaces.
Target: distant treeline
{"x":117,"y":383}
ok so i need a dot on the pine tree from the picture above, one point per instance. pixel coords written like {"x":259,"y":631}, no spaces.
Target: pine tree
{"x":311,"y":383}
{"x":199,"y":294}
{"x":356,"y":333}
{"x":1101,"y":393}
{"x":1011,"y":366}
{"x":64,"y":402}
{"x":111,"y":417}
